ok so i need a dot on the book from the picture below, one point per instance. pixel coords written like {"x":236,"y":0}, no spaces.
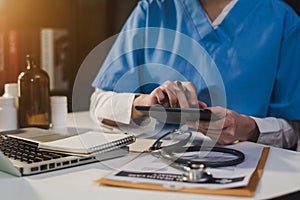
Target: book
{"x":88,"y":143}
{"x":13,"y":66}
{"x":54,"y":45}
{"x":2,"y":53}
{"x":29,"y":43}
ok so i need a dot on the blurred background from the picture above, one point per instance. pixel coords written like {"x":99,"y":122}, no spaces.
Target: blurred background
{"x":61,"y":33}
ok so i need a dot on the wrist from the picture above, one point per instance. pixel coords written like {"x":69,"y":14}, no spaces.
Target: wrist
{"x":253,"y":131}
{"x":135,"y":114}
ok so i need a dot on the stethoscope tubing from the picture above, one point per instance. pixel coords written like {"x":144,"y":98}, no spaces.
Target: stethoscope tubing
{"x":168,"y":154}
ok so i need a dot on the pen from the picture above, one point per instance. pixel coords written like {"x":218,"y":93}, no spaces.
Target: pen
{"x":109,"y":129}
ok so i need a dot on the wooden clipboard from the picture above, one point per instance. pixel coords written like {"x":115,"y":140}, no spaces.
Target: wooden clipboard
{"x":247,"y":191}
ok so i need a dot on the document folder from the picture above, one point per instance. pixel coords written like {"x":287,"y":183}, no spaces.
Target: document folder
{"x":247,"y":191}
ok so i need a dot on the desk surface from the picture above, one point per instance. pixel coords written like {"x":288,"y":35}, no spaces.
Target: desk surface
{"x":281,"y":176}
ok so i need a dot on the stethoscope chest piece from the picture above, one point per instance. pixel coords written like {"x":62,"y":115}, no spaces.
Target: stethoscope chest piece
{"x":196,"y":173}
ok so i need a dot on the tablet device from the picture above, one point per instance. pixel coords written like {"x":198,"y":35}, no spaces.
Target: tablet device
{"x":176,"y":115}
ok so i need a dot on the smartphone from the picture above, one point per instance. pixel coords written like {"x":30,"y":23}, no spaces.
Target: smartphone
{"x":176,"y":115}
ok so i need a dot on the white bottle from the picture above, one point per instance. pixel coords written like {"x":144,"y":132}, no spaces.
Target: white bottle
{"x":11,"y":90}
{"x":59,"y":111}
{"x":8,"y":114}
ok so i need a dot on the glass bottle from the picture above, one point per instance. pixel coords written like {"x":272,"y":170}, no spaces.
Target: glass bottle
{"x":34,"y":96}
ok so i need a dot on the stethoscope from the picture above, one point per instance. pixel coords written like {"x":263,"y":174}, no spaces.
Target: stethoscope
{"x":194,"y":165}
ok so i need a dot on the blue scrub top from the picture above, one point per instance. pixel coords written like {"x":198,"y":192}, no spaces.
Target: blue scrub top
{"x":250,"y":63}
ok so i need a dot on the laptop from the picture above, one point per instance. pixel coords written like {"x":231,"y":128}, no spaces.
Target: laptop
{"x":20,"y":155}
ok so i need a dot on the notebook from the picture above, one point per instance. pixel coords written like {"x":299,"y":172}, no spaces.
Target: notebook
{"x":20,"y":154}
{"x":88,"y":143}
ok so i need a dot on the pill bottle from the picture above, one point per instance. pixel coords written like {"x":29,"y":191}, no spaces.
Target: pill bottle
{"x":8,"y":114}
{"x":59,"y":111}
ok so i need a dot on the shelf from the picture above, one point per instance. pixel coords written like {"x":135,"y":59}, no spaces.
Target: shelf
{"x":88,"y":23}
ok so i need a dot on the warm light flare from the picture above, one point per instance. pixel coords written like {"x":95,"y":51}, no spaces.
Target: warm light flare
{"x":1,"y":5}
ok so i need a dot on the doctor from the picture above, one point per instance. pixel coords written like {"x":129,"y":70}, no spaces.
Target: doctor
{"x":253,"y":44}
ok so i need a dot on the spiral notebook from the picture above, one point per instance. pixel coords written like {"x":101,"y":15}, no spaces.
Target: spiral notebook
{"x":88,"y":143}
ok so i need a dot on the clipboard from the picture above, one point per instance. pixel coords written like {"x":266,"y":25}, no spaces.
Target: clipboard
{"x":247,"y":191}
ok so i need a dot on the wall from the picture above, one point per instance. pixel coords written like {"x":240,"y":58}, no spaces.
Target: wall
{"x":88,"y":22}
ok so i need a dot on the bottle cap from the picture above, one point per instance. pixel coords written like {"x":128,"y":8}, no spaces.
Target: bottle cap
{"x":58,"y":100}
{"x":10,"y":90}
{"x":7,"y":101}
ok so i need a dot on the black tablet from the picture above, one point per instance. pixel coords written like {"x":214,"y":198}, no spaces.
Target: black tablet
{"x":176,"y":115}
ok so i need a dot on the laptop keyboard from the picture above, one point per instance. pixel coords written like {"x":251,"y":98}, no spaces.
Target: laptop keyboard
{"x":25,"y":151}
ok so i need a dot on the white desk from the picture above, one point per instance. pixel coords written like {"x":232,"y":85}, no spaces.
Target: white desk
{"x":281,"y":176}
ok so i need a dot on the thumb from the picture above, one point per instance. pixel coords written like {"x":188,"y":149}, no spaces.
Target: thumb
{"x":218,"y":111}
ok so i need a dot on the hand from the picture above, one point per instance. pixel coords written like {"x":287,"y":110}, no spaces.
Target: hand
{"x":229,"y":128}
{"x":168,"y":95}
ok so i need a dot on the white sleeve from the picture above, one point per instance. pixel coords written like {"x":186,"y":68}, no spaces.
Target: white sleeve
{"x":276,"y":132}
{"x":111,"y":105}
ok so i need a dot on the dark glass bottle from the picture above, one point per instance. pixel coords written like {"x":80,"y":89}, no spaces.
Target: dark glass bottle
{"x":34,"y":96}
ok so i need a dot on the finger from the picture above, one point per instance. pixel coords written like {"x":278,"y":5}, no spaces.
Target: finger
{"x":160,"y":96}
{"x":204,"y":129}
{"x":227,"y":136}
{"x":217,"y":125}
{"x":202,"y":104}
{"x":169,"y":88}
{"x":193,"y":96}
{"x":182,"y":101}
{"x":214,"y":134}
{"x":182,"y":95}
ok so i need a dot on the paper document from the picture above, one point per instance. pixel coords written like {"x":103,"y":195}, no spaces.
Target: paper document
{"x":149,"y":169}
